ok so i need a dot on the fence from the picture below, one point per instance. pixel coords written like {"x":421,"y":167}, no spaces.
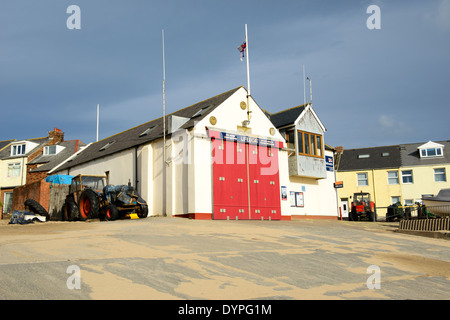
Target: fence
{"x":425,"y":224}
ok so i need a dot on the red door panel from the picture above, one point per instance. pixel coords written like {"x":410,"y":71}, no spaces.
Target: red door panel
{"x":233,"y":164}
{"x":229,"y":180}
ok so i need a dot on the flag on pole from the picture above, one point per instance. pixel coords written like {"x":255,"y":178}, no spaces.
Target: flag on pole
{"x":241,"y":49}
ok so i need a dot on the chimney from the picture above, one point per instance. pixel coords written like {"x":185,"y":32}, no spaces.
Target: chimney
{"x":56,"y":135}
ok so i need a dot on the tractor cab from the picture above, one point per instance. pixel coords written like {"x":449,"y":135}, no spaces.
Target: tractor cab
{"x":362,"y":207}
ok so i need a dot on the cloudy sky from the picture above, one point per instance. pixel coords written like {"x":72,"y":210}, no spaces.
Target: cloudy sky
{"x":370,"y":86}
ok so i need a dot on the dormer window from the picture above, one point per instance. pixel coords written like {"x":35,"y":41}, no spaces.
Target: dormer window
{"x":18,"y":149}
{"x":431,"y":150}
{"x":51,"y":150}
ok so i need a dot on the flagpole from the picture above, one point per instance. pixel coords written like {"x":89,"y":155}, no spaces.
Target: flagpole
{"x":164,"y":99}
{"x":248,"y":67}
{"x":248,"y":75}
{"x":97,"y":118}
{"x":163,"y":168}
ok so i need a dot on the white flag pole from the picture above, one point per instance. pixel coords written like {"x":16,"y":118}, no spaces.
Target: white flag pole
{"x":248,"y":75}
{"x":248,"y":67}
{"x":164,"y":100}
{"x":98,"y":106}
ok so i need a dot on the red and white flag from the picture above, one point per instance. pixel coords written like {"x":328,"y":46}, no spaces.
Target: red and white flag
{"x":241,"y":49}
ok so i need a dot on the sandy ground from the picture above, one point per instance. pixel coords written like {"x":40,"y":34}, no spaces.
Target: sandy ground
{"x":175,"y":258}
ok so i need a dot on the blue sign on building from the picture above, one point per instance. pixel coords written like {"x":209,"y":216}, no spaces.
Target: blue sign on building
{"x":329,"y":163}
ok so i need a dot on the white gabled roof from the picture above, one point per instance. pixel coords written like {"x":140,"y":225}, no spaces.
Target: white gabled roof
{"x":430,"y":144}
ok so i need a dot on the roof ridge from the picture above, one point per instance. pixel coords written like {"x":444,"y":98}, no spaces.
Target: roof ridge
{"x":170,"y":114}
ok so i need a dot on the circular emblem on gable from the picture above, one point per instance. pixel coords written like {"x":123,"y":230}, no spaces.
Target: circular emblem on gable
{"x":243,"y":105}
{"x":272,"y":131}
{"x":213,"y":120}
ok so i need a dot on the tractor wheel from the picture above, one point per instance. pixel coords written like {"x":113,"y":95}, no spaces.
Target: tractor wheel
{"x":36,"y":208}
{"x":352,"y":216}
{"x":71,"y":211}
{"x":111,"y":213}
{"x":143,"y":211}
{"x":89,"y":205}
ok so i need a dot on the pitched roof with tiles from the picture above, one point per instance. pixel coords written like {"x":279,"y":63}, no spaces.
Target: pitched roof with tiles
{"x":148,"y":131}
{"x":48,"y":162}
{"x":286,"y":117}
{"x":5,"y":153}
{"x":385,"y":157}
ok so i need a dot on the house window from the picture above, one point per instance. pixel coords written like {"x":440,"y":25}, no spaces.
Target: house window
{"x":310,"y":144}
{"x":431,"y":152}
{"x":362,"y":179}
{"x":409,"y":202}
{"x":393,"y":177}
{"x":18,"y":149}
{"x":13,"y":170}
{"x":395,"y":200}
{"x":407,"y":176}
{"x":439,"y":175}
{"x":49,"y":150}
{"x":290,"y":139}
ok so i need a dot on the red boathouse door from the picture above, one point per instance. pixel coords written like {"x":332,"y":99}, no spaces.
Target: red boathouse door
{"x":246,"y":182}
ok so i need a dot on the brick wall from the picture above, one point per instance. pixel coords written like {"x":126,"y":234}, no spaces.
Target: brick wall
{"x":39,"y":191}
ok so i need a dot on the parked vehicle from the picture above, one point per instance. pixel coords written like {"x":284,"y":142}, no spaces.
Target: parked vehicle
{"x":440,"y":204}
{"x":362,"y":208}
{"x":90,"y":197}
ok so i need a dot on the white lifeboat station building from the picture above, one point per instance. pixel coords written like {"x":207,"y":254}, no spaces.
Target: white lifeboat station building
{"x":222,"y":158}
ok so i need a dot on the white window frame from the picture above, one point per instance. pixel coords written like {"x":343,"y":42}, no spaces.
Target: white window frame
{"x":407,"y":175}
{"x":396,"y":197}
{"x":365,"y":179}
{"x":396,"y":180}
{"x":442,"y":173}
{"x":14,"y":170}
{"x":428,"y":152}
{"x":47,"y":149}
{"x":18,"y":149}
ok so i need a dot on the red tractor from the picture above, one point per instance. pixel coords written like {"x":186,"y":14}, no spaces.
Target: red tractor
{"x":362,"y":208}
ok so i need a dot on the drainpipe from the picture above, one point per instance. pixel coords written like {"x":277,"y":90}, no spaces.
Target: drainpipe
{"x":374,"y":191}
{"x":136,"y":181}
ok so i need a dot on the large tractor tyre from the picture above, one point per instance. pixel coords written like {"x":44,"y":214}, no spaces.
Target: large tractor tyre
{"x":143,"y":211}
{"x":352,"y":216}
{"x":71,"y":211}
{"x":111,"y":213}
{"x":36,"y":208}
{"x":88,"y":205}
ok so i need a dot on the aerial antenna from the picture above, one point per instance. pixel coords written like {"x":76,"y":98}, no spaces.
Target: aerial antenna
{"x":310,"y":90}
{"x":304,"y":86}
